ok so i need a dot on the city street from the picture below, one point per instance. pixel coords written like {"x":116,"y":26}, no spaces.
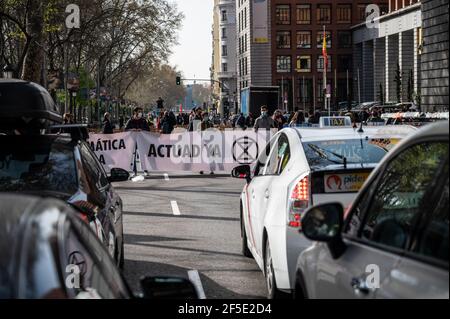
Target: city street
{"x":203,"y":234}
{"x":325,"y":122}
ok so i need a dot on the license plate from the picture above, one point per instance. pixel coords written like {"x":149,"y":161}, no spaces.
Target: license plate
{"x":344,"y":183}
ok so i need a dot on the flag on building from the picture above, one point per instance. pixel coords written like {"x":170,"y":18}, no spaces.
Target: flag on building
{"x":324,"y":50}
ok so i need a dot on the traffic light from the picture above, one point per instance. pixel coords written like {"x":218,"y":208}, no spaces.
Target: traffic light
{"x":178,"y":80}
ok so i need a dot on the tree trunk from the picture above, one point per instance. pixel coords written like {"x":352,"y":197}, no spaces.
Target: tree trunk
{"x":34,"y":60}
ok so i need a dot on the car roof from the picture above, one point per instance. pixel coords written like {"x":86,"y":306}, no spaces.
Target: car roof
{"x":317,"y":134}
{"x":53,"y":138}
{"x":440,"y":128}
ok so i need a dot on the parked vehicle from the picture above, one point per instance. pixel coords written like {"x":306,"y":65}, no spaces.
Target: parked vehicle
{"x":33,"y":161}
{"x":48,"y":252}
{"x":253,"y":98}
{"x":302,"y":167}
{"x":344,"y":106}
{"x":393,"y":242}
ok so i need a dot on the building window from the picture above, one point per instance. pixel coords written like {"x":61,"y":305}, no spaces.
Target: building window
{"x":344,"y":39}
{"x":320,"y":39}
{"x":284,"y":64}
{"x":303,"y":14}
{"x":344,"y":13}
{"x":224,"y":50}
{"x":224,"y":15}
{"x":305,"y":90}
{"x":362,"y":12}
{"x":304,"y":63}
{"x":245,"y":17}
{"x":283,"y":39}
{"x":224,"y":67}
{"x":323,"y":14}
{"x":283,"y":14}
{"x":384,"y":9}
{"x":304,"y":39}
{"x":321,"y":62}
{"x":245,"y":43}
{"x":246,"y":66}
{"x":345,"y":63}
{"x":224,"y":33}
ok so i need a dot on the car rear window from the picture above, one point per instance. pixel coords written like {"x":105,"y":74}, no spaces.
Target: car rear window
{"x":36,"y":165}
{"x":353,"y":151}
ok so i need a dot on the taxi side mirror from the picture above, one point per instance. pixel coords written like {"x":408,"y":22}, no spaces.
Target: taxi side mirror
{"x":242,"y":172}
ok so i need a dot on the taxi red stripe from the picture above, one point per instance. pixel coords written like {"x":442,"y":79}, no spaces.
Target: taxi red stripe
{"x":249,"y":219}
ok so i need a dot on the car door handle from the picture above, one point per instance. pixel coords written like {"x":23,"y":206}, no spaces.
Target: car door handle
{"x":359,"y":285}
{"x":267,"y":194}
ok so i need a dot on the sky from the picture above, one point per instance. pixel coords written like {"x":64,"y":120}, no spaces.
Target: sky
{"x":193,"y":55}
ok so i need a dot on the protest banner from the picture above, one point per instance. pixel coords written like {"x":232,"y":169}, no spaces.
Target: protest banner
{"x":211,"y":150}
{"x":114,"y":150}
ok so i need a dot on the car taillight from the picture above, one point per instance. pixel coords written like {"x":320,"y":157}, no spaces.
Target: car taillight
{"x":298,"y":203}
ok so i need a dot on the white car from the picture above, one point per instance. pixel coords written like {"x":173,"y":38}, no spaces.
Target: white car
{"x":300,"y":168}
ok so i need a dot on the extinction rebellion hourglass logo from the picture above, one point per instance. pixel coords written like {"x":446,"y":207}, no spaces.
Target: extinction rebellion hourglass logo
{"x":245,"y":150}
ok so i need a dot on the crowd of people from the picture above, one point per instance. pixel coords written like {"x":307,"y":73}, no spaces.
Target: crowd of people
{"x":198,"y":119}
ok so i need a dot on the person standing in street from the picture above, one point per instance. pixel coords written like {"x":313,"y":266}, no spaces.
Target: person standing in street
{"x":364,"y":115}
{"x":279,"y":120}
{"x":107,"y":126}
{"x":206,"y":122}
{"x":121,"y":122}
{"x":196,"y":120}
{"x":240,"y":122}
{"x":167,"y":123}
{"x":180,"y":119}
{"x":264,"y":122}
{"x":298,"y":119}
{"x":250,"y":120}
{"x":137,"y":122}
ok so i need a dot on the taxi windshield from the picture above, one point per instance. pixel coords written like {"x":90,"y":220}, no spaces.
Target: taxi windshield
{"x":41,"y":166}
{"x":342,"y":152}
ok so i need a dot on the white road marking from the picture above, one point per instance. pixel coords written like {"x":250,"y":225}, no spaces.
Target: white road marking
{"x":175,"y":208}
{"x":194,"y":277}
{"x":166,"y":177}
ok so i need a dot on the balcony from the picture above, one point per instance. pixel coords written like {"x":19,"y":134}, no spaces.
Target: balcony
{"x":226,"y":75}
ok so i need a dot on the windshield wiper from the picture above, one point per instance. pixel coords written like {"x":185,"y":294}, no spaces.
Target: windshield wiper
{"x":322,"y":153}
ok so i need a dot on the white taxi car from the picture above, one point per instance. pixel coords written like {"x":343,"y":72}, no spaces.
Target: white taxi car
{"x":302,"y":167}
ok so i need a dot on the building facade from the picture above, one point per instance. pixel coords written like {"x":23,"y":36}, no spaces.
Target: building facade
{"x":253,"y":44}
{"x":297,"y":31}
{"x":224,"y":54}
{"x":387,"y":57}
{"x":215,"y":66}
{"x":434,"y":67}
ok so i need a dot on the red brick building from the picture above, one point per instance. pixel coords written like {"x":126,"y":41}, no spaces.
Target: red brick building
{"x":297,"y":39}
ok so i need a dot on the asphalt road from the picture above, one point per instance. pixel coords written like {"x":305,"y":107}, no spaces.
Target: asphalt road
{"x":184,"y":223}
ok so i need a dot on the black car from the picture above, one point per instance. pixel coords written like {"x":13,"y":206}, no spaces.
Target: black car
{"x":57,"y":166}
{"x":35,"y":161}
{"x":48,"y":252}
